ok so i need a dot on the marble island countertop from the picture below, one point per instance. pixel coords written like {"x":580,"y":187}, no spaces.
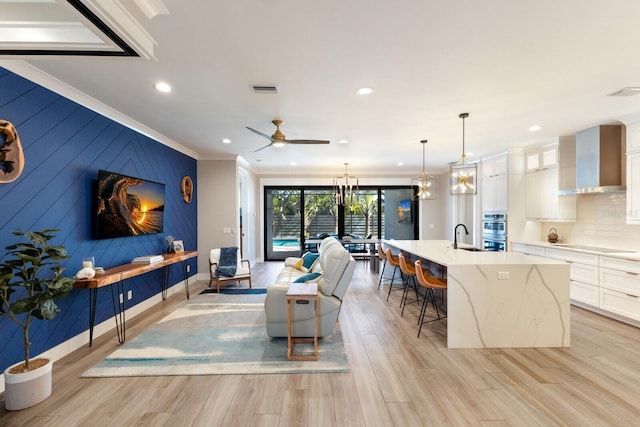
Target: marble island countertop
{"x":498,"y":299}
{"x":442,"y":252}
{"x":613,"y":252}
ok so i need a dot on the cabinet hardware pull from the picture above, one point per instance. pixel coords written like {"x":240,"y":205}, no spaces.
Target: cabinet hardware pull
{"x":632,"y":274}
{"x":632,"y":296}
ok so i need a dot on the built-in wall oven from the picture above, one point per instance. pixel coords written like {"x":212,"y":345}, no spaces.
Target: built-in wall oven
{"x":494,"y":232}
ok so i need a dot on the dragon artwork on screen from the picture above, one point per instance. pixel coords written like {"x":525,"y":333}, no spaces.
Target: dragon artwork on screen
{"x":128,"y":206}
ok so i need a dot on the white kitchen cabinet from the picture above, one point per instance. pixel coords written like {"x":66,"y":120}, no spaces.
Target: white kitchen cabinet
{"x":583,"y":272}
{"x":550,"y":168}
{"x":541,"y":157}
{"x":534,"y":250}
{"x":495,"y":188}
{"x":633,"y":188}
{"x":620,"y":286}
{"x":495,"y":194}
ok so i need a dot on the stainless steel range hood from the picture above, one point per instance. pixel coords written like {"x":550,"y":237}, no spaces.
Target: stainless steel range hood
{"x":599,"y":161}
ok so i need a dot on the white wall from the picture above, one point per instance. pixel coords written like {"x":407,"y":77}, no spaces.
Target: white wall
{"x":217,"y":208}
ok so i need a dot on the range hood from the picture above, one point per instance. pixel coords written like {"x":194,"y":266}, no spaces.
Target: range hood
{"x":599,"y":161}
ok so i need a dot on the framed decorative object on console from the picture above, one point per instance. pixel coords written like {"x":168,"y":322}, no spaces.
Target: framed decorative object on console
{"x":178,"y":246}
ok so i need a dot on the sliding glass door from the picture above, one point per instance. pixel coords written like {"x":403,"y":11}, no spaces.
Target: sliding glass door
{"x":294,"y":215}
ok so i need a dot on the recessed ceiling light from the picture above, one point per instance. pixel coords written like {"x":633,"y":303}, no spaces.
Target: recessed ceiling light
{"x":535,"y":128}
{"x":163,"y":87}
{"x":343,"y":141}
{"x":226,"y":141}
{"x":364,"y":91}
{"x":400,"y":164}
{"x":293,"y":163}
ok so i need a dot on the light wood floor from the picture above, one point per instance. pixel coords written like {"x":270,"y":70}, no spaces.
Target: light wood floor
{"x":395,"y":379}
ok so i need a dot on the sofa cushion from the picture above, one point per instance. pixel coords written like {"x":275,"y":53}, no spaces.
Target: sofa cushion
{"x":335,"y":262}
{"x":307,"y":277}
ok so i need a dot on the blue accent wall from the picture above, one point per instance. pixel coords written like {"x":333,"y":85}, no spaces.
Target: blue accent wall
{"x":64,"y":146}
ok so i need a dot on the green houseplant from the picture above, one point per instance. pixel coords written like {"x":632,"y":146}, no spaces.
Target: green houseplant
{"x":30,"y":280}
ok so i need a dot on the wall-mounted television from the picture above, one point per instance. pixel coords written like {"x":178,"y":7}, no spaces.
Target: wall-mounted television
{"x":128,"y":206}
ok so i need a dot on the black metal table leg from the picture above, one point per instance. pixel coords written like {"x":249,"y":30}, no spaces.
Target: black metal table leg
{"x":186,"y":278}
{"x":165,"y":281}
{"x":118,"y":310}
{"x":93,"y":298}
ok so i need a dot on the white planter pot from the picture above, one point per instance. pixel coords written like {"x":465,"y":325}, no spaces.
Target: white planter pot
{"x":27,"y":389}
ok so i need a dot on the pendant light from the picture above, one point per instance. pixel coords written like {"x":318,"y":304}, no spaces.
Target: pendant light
{"x":345,"y":187}
{"x":463,"y":175}
{"x":426,"y":183}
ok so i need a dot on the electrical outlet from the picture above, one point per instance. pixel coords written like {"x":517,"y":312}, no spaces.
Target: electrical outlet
{"x":121,"y":299}
{"x":502,"y":275}
{"x":129,"y":294}
{"x":188,"y":268}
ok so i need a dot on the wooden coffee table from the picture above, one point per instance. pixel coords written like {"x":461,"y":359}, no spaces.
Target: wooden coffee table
{"x":302,"y":292}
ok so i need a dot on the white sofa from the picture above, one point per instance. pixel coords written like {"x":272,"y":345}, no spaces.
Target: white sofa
{"x":336,"y":266}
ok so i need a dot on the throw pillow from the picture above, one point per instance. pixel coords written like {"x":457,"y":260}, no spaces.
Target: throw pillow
{"x":309,"y":259}
{"x":307,"y":262}
{"x":307,"y":277}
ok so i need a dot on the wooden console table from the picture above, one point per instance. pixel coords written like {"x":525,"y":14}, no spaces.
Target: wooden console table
{"x":117,"y":276}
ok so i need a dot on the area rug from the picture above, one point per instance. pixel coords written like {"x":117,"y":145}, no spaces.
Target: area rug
{"x":236,"y":291}
{"x":216,"y":334}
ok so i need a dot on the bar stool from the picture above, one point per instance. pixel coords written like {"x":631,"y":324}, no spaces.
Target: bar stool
{"x":395,"y":263}
{"x":383,"y":258}
{"x":429,"y":282}
{"x":409,"y":280}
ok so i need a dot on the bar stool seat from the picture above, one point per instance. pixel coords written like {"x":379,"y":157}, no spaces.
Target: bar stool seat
{"x":430,"y":283}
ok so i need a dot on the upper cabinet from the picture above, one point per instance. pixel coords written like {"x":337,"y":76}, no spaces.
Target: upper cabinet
{"x":495,"y":188}
{"x":550,"y":168}
{"x":633,"y":173}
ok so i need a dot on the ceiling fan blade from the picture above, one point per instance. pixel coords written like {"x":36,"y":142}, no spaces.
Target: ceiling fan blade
{"x":307,"y":141}
{"x":264,"y":135}
{"x":262,"y":148}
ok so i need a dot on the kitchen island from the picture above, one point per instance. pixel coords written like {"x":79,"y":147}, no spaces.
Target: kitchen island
{"x":498,"y":299}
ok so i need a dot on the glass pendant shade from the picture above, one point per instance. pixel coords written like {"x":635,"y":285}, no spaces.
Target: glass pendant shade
{"x":463,"y":175}
{"x":427,"y":184}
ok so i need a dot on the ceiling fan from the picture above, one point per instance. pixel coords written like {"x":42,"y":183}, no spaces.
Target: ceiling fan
{"x":279,"y":140}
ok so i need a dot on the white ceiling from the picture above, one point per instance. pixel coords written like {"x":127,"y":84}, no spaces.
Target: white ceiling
{"x":509,"y":64}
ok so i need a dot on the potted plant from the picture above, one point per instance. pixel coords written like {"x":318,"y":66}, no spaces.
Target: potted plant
{"x":30,"y":280}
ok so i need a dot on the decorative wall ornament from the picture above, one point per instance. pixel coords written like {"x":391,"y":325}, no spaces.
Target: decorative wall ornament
{"x":11,"y":154}
{"x":187,"y":189}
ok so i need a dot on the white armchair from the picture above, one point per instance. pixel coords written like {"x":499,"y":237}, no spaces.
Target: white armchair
{"x":243,"y":270}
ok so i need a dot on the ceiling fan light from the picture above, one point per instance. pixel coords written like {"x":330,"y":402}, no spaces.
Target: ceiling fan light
{"x":278,"y":144}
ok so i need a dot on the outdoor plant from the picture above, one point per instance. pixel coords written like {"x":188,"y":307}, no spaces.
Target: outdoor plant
{"x":30,"y":280}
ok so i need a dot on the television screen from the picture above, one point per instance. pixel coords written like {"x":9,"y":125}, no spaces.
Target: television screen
{"x":128,"y":206}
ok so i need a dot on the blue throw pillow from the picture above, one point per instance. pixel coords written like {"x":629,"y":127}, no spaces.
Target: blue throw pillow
{"x":308,"y":259}
{"x":307,"y":277}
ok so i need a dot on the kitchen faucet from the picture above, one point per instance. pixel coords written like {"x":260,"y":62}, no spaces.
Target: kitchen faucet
{"x":455,"y":234}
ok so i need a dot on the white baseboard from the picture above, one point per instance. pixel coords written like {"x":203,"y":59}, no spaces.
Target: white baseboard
{"x":72,"y":344}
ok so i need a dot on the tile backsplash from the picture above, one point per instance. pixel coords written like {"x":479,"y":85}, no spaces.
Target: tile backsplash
{"x":601,"y":221}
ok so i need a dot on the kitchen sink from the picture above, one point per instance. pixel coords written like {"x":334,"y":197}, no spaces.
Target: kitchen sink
{"x":595,"y":249}
{"x":470,"y":249}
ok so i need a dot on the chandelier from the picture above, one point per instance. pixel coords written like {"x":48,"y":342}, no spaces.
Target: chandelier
{"x":345,"y":187}
{"x":426,"y":183}
{"x":463,"y":175}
